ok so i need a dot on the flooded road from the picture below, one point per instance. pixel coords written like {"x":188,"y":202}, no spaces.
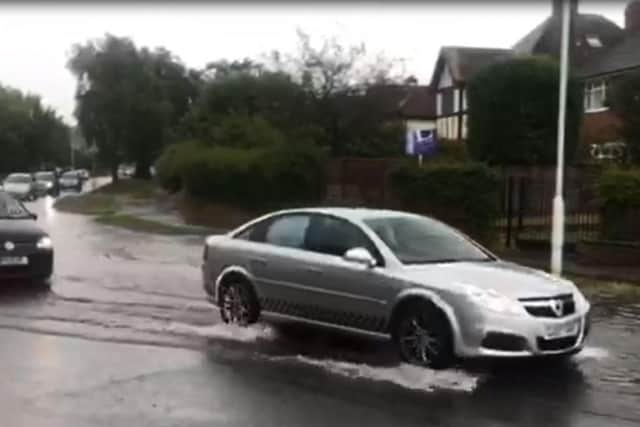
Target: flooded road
{"x":114,"y":285}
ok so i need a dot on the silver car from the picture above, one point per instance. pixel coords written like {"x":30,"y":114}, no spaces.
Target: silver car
{"x":436,"y":293}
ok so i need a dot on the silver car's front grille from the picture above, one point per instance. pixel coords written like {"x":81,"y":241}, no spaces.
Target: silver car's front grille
{"x":555,"y":306}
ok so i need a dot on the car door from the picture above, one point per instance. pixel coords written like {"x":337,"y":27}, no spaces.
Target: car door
{"x":349,"y":294}
{"x":277,"y":262}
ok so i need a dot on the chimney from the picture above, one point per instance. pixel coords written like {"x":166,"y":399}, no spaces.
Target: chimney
{"x":632,"y":16}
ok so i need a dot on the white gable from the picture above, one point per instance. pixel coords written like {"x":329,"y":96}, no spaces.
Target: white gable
{"x":445,"y":78}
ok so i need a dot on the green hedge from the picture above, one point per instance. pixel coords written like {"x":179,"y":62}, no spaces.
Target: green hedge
{"x":620,"y":187}
{"x":619,"y":193}
{"x":464,"y":195}
{"x":253,"y":178}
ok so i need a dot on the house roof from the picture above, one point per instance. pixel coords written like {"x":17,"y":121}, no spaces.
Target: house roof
{"x":408,"y":101}
{"x":545,"y":38}
{"x":623,"y":56}
{"x":465,"y":61}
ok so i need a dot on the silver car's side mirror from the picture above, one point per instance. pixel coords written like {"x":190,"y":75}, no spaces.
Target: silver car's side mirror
{"x":360,"y":256}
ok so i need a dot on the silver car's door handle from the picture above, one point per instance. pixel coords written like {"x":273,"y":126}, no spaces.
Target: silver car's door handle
{"x":313,"y":270}
{"x":258,"y":261}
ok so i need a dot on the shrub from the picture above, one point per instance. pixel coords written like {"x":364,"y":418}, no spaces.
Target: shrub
{"x":619,"y":188}
{"x":619,"y":193}
{"x":256,"y":178}
{"x":464,"y":195}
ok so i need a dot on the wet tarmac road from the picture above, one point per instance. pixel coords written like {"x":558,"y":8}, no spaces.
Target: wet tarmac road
{"x":186,"y":368}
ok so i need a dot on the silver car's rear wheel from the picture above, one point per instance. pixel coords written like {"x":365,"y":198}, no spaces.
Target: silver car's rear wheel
{"x":423,"y":336}
{"x":238,"y":304}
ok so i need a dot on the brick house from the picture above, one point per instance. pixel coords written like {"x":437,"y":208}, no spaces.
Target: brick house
{"x":600,"y":52}
{"x":600,"y":125}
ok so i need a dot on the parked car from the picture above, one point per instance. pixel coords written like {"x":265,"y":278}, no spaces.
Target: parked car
{"x":70,"y":181}
{"x":435,"y":292}
{"x":26,"y":251}
{"x":20,"y":186}
{"x":46,"y":183}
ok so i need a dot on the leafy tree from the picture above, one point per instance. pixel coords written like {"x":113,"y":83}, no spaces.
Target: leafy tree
{"x":513,"y":113}
{"x":31,"y":136}
{"x":335,"y":79}
{"x":129,"y":100}
{"x":625,"y":102}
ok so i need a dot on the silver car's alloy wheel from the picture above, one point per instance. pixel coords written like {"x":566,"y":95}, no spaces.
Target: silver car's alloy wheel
{"x":418,"y":343}
{"x":423,"y":336}
{"x":235,"y":304}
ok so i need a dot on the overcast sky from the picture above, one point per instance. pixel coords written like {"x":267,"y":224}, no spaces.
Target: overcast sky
{"x":36,"y":38}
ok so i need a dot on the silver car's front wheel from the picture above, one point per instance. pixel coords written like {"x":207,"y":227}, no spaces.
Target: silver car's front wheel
{"x":238,"y":304}
{"x":423,"y":336}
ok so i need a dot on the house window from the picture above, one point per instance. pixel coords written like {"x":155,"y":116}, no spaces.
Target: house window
{"x":595,"y":94}
{"x":464,"y":100}
{"x":456,"y":100}
{"x":594,"y":41}
{"x":439,"y":104}
{"x":465,"y":131}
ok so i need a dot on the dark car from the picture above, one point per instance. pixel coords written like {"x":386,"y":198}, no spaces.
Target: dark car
{"x":46,"y":183}
{"x":26,"y":251}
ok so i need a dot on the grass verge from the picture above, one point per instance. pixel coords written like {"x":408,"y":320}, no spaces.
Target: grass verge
{"x":144,"y":225}
{"x":88,"y":204}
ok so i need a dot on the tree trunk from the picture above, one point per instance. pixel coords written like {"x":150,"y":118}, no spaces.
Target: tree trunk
{"x":142,"y":170}
{"x":114,"y":173}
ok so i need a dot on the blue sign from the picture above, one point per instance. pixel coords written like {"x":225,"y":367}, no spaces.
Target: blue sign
{"x":421,"y":142}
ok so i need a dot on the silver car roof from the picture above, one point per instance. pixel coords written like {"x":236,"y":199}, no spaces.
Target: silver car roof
{"x":354,"y":214}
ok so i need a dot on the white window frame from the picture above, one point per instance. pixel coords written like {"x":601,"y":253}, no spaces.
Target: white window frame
{"x":595,"y":96}
{"x":456,"y":100}
{"x":439,"y":104}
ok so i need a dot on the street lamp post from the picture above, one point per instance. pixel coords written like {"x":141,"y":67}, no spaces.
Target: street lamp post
{"x":557,"y":233}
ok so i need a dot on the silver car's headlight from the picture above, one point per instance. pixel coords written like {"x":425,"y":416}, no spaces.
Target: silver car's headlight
{"x":494,"y":301}
{"x":581,"y":302}
{"x":45,"y":243}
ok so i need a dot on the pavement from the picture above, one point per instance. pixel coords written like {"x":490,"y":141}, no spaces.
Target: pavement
{"x":125,"y":337}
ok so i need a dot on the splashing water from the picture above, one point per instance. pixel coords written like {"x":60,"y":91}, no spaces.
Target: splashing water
{"x":597,"y":353}
{"x":405,"y":375}
{"x":224,"y":331}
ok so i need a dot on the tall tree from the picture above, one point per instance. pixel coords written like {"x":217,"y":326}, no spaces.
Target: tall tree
{"x":128,"y":100}
{"x":513,"y":113}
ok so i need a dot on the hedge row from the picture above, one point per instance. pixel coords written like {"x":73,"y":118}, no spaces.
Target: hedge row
{"x":619,"y":193}
{"x":464,"y":195}
{"x":253,"y":178}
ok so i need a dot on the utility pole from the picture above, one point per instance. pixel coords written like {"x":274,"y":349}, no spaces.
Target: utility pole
{"x":557,"y":233}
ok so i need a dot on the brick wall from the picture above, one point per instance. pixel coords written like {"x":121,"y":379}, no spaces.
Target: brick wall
{"x":599,"y":127}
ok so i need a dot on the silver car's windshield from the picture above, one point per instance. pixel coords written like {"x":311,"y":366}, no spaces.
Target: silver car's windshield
{"x":10,"y":208}
{"x":421,"y":240}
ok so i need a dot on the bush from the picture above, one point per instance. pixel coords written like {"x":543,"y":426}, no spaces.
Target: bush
{"x":619,"y":188}
{"x":256,"y":178}
{"x":464,"y":195}
{"x":619,"y":193}
{"x":513,"y":113}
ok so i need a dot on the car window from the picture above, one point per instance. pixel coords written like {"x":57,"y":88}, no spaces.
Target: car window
{"x":288,"y":231}
{"x":22,"y":179}
{"x":335,"y":236}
